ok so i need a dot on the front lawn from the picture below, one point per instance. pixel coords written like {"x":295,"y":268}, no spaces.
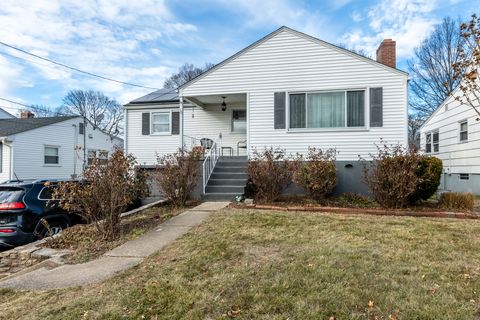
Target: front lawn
{"x":248,"y":264}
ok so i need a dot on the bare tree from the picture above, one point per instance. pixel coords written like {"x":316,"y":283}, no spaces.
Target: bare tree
{"x":467,"y":68}
{"x":432,"y":73}
{"x":360,"y":52}
{"x":186,"y":73}
{"x":415,"y":121}
{"x":100,"y":110}
{"x":43,"y":111}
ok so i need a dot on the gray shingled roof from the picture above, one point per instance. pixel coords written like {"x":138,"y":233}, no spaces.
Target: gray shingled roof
{"x":159,"y":96}
{"x":14,"y":126}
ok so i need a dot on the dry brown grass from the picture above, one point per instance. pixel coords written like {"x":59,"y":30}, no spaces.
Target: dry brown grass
{"x":249,"y":264}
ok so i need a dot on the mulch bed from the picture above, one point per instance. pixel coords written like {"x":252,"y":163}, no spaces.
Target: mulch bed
{"x":369,"y":211}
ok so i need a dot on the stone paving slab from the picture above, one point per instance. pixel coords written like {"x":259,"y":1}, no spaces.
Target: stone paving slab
{"x":117,"y":260}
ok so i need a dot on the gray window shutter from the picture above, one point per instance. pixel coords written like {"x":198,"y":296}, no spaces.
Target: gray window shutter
{"x":81,"y":128}
{"x":376,"y":107}
{"x":279,"y":114}
{"x":175,"y":122}
{"x":145,"y":123}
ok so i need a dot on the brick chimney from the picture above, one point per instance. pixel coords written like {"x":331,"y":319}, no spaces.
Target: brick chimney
{"x":386,"y":53}
{"x":26,"y":114}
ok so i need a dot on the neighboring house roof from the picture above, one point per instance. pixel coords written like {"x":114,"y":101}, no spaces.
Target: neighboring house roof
{"x":5,"y":114}
{"x":158,"y":97}
{"x":284,"y":28}
{"x":18,"y":125}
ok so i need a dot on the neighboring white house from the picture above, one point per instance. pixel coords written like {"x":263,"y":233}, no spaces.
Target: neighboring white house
{"x":6,"y":115}
{"x":452,"y":134}
{"x":50,"y":147}
{"x":287,"y":90}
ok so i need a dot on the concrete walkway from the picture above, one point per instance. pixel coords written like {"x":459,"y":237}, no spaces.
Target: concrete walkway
{"x":117,"y":260}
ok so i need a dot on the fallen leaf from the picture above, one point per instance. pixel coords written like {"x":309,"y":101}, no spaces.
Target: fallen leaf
{"x":370,"y":303}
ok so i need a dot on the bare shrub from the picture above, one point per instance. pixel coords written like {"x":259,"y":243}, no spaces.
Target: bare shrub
{"x":270,"y":172}
{"x":316,"y":173}
{"x":392,"y":175}
{"x":429,"y":172}
{"x":177,"y":175}
{"x":458,"y":201}
{"x":106,"y":191}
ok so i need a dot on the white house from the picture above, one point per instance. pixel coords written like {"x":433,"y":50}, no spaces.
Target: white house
{"x":452,"y":134}
{"x":6,"y":115}
{"x":287,"y":90}
{"x":50,"y":147}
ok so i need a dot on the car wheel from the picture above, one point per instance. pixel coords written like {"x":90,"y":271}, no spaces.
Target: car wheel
{"x":54,"y":228}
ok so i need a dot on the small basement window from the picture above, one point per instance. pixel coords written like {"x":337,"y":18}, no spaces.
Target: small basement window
{"x":464,"y":131}
{"x":464,"y":176}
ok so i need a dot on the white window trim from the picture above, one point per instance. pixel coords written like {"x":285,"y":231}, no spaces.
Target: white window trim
{"x":231,"y":121}
{"x":366,"y":112}
{"x":59,"y":164}
{"x":432,"y":149}
{"x":167,"y":133}
{"x":460,"y":131}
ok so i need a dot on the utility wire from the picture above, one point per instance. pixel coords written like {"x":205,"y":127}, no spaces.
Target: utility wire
{"x":75,"y":69}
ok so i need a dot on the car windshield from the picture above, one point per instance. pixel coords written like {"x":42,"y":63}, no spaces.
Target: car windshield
{"x":10,"y":194}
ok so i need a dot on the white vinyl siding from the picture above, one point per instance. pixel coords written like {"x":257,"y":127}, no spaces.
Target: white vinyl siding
{"x":289,"y":62}
{"x":456,"y":157}
{"x":29,"y":150}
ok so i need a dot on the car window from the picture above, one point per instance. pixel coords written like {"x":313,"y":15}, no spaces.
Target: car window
{"x":46,"y":193}
{"x":10,"y":194}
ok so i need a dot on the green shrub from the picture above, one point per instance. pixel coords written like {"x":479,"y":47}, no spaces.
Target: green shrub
{"x":316,"y":173}
{"x":458,"y":201}
{"x":391,"y":175}
{"x":429,"y":173}
{"x":269,"y":172}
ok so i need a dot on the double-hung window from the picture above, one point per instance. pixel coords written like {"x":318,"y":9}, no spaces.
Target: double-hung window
{"x":51,"y":155}
{"x":432,"y":142}
{"x":160,"y":123}
{"x":338,"y":109}
{"x":464,"y":131}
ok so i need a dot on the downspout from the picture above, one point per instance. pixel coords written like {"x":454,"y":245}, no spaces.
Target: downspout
{"x":125,"y":141}
{"x":75,"y":135}
{"x":84,"y":143}
{"x":180,"y":93}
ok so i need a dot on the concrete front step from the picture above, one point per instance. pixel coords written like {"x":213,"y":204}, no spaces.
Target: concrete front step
{"x":219,"y":196}
{"x":227,"y":182}
{"x":228,"y":169}
{"x":239,"y":164}
{"x":228,"y":175}
{"x":224,"y":189}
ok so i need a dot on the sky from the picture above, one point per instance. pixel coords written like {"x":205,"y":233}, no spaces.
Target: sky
{"x":145,"y":41}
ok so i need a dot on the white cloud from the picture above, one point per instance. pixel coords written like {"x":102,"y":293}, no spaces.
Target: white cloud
{"x":408,"y":22}
{"x":107,"y":37}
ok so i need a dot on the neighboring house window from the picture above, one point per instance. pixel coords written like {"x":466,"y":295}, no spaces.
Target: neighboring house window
{"x":100,"y":155}
{"x":464,"y":176}
{"x":428,"y":143}
{"x":161,"y":122}
{"x":52,"y":155}
{"x":435,"y":141}
{"x":239,"y":121}
{"x":464,"y":131}
{"x":337,"y":109}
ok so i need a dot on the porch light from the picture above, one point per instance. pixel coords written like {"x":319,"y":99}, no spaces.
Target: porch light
{"x":224,"y":105}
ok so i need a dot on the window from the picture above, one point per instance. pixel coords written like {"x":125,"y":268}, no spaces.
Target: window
{"x":338,"y":109}
{"x":52,"y":155}
{"x":435,"y":141}
{"x":464,"y":176}
{"x":46,"y":193}
{"x":239,"y":121}
{"x":464,"y":131}
{"x":428,"y":143}
{"x":161,"y":122}
{"x":100,"y":155}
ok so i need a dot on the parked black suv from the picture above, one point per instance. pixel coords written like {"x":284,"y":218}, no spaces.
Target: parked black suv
{"x":23,"y":205}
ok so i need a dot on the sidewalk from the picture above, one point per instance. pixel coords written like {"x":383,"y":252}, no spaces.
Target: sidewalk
{"x":117,"y":260}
